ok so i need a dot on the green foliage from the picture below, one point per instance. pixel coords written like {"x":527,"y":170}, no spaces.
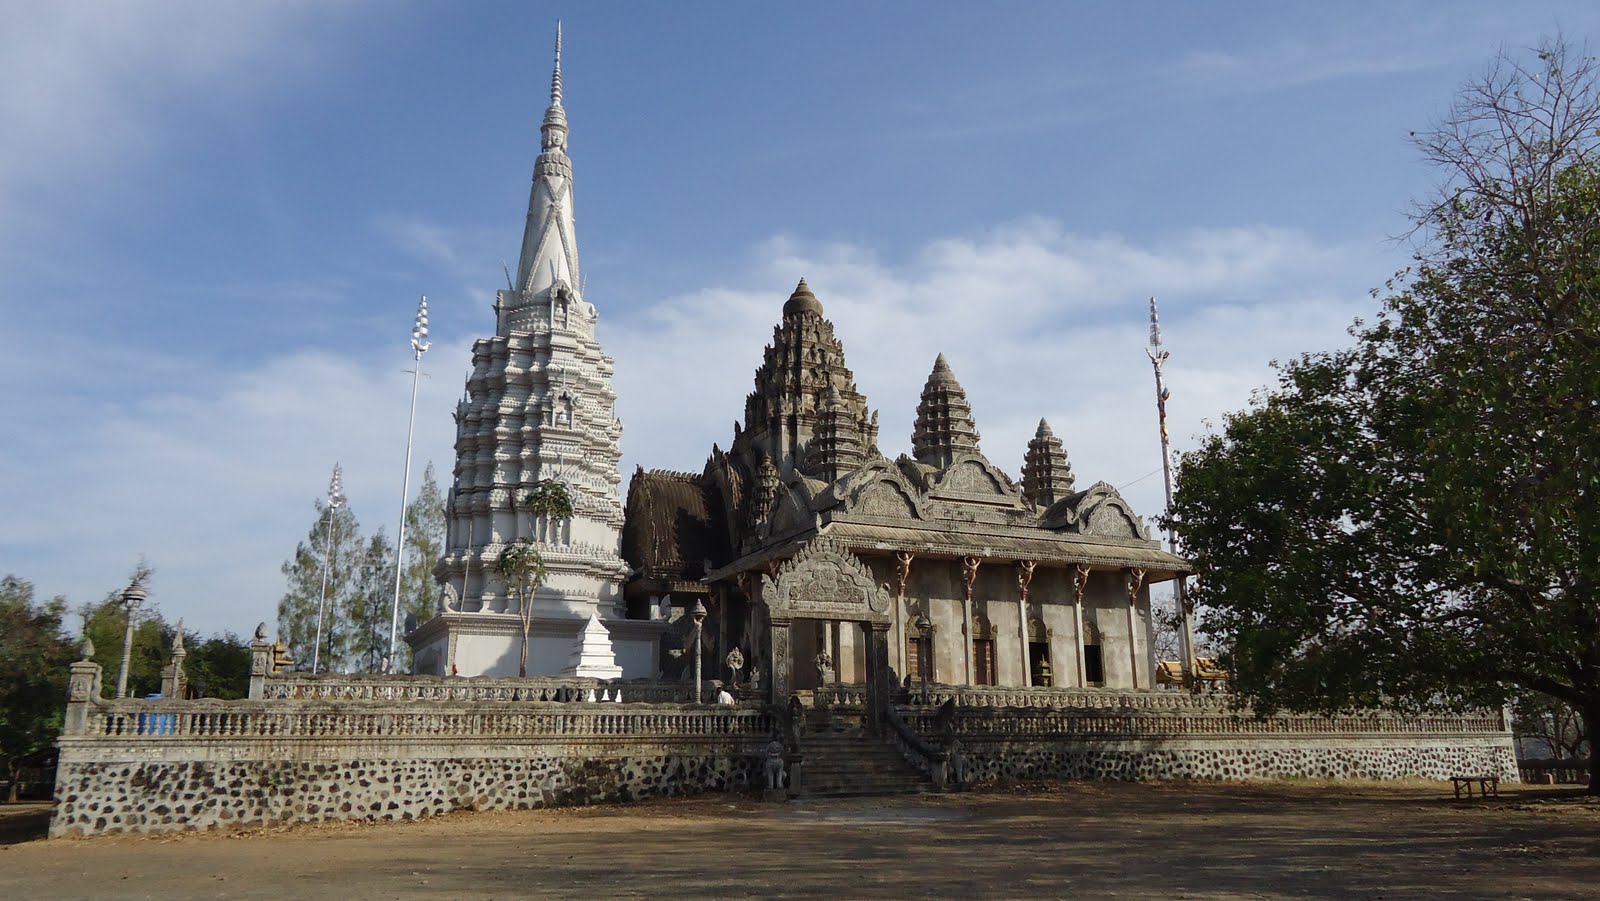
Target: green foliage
{"x":522,"y":568}
{"x":360,"y":584}
{"x":369,"y":606}
{"x":105,"y":623}
{"x":217,"y":667}
{"x":338,"y":541}
{"x":35,"y":656}
{"x":549,"y":499}
{"x":1414,"y":520}
{"x":425,"y":534}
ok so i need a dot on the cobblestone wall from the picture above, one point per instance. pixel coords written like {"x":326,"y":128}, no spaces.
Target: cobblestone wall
{"x":163,"y":796}
{"x":1328,"y":758}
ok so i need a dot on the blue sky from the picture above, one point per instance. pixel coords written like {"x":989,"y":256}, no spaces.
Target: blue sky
{"x":215,"y":220}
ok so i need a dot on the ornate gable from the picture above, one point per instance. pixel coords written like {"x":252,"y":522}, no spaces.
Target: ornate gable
{"x":1102,"y":511}
{"x":971,"y":477}
{"x":881,"y":490}
{"x":825,"y":581}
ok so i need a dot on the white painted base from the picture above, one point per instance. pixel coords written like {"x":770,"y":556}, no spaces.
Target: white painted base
{"x":480,"y":644}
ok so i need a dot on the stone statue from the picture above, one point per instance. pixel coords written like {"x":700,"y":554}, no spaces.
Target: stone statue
{"x":957,"y":762}
{"x":795,"y":720}
{"x":824,"y":668}
{"x":775,"y":764}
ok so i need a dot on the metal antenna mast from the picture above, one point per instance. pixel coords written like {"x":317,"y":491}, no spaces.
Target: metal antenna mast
{"x":419,"y":346}
{"x":1158,"y":358}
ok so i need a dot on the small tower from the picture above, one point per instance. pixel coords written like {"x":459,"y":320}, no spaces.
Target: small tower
{"x":1046,"y":474}
{"x":944,"y":426}
{"x":836,"y":446}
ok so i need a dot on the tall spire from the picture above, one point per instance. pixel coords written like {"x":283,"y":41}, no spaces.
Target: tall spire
{"x":555,"y":77}
{"x":944,"y":424}
{"x":550,"y":242}
{"x":1046,"y":474}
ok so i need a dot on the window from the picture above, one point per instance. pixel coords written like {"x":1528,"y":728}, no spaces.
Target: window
{"x":1039,"y":663}
{"x":983,"y":661}
{"x":1094,"y":668}
{"x":919,"y":658}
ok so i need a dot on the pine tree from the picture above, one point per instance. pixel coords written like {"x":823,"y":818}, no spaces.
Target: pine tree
{"x":369,"y":607}
{"x":336,"y":539}
{"x":425,"y":533}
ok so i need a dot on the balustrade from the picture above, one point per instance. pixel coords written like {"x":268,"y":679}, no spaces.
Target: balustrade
{"x":128,"y":719}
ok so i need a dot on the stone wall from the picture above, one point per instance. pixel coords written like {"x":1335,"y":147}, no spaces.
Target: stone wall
{"x":156,"y":766}
{"x":1171,"y":735}
{"x":393,"y":749}
{"x":180,"y":787}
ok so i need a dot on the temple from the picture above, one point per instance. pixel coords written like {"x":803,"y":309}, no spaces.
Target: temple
{"x":862,"y":625}
{"x":826,"y":564}
{"x":538,"y":405}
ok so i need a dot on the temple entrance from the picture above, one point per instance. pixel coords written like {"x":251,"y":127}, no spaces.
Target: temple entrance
{"x":827,"y":652}
{"x":829,"y":623}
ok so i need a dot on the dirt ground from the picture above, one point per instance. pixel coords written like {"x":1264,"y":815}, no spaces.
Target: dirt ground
{"x":1173,"y":840}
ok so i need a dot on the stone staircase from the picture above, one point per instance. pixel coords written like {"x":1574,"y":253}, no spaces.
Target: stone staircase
{"x":842,"y":759}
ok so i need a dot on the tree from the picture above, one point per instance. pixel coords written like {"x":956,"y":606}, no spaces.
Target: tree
{"x":1548,"y":721}
{"x":1416,"y":520}
{"x":219,"y":666}
{"x":521,"y":565}
{"x":35,"y":657}
{"x":369,"y":605}
{"x":338,"y":542}
{"x":425,"y":534}
{"x":105,"y":624}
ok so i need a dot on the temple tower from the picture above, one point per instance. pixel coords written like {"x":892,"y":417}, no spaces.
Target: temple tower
{"x":1046,"y":474}
{"x":538,"y":405}
{"x":801,"y":370}
{"x":944,"y":426}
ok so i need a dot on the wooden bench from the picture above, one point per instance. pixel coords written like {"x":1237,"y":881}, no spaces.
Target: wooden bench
{"x":1487,"y":785}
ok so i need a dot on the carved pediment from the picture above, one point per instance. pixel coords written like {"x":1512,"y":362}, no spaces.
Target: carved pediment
{"x":883,"y":497}
{"x":880,"y":490}
{"x":1102,"y":511}
{"x":825,"y":581}
{"x":972,"y":476}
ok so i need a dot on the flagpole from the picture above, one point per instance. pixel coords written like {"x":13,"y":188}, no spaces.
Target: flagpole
{"x":419,"y":346}
{"x":1158,"y":358}
{"x":335,"y":501}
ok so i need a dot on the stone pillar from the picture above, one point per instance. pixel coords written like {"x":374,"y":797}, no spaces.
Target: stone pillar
{"x":878,"y":678}
{"x":1080,"y":584}
{"x":836,"y":651}
{"x":83,"y":689}
{"x":900,"y":636}
{"x":174,"y":681}
{"x":1024,"y":580}
{"x":1135,"y":578}
{"x":260,"y":663}
{"x":969,"y":574}
{"x":781,"y":656}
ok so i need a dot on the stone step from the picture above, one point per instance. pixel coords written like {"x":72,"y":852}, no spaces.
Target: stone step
{"x":844,"y":760}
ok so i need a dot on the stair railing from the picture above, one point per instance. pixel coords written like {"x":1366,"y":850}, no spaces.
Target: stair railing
{"x":929,"y":760}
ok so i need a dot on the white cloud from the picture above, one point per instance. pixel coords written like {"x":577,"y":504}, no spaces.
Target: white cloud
{"x":1036,"y":322}
{"x":212,"y":474}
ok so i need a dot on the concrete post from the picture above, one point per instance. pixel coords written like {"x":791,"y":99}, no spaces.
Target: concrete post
{"x":260,"y":663}
{"x":83,"y":689}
